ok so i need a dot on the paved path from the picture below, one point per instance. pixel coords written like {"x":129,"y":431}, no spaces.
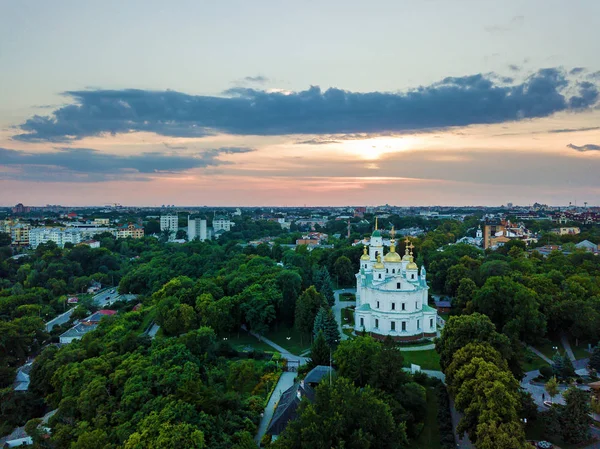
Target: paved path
{"x":565,"y":342}
{"x":539,"y":354}
{"x":461,"y":442}
{"x":339,"y":305}
{"x":284,"y":352}
{"x":285,"y":381}
{"x":61,"y":319}
{"x":417,"y":348}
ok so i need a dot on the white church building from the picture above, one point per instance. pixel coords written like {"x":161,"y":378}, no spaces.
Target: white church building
{"x":391,"y":294}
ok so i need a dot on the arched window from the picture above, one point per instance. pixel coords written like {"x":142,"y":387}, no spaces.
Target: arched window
{"x":412,"y":276}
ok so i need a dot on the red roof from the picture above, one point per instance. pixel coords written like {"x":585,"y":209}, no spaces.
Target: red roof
{"x":107,"y":312}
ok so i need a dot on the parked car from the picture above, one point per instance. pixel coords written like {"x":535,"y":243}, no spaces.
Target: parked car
{"x":113,"y":290}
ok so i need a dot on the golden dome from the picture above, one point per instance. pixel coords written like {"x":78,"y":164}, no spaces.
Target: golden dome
{"x":392,"y":256}
{"x":365,"y":256}
{"x":379,"y":265}
{"x":412,"y":266}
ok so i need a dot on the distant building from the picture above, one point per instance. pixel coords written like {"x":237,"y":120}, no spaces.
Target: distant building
{"x":19,"y":234}
{"x":20,"y":209}
{"x":497,"y":234}
{"x":197,"y":229}
{"x":133,"y":230}
{"x":91,"y":243}
{"x":169,"y":222}
{"x":221,"y":223}
{"x":101,"y":221}
{"x":588,"y":246}
{"x":60,"y":236}
{"x":566,"y":230}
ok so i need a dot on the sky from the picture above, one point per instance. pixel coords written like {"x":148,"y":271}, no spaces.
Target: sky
{"x":271,"y":103}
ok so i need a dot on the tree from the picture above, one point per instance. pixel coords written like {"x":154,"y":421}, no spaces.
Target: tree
{"x":344,"y":416}
{"x":325,"y":322}
{"x":181,"y":234}
{"x":290,"y":284}
{"x":319,"y":351}
{"x":355,"y":359}
{"x":4,"y":239}
{"x":344,"y":271}
{"x":551,"y":388}
{"x":322,"y":282}
{"x":462,"y":330}
{"x":595,"y":359}
{"x":575,"y":417}
{"x":307,"y":307}
{"x":464,"y":295}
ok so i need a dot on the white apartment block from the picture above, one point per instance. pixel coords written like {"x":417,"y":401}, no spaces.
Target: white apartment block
{"x":60,"y":236}
{"x":169,"y":222}
{"x":222,"y":223}
{"x":197,"y":229}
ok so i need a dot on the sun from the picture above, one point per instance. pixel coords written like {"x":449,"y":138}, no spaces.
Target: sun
{"x":372,"y":149}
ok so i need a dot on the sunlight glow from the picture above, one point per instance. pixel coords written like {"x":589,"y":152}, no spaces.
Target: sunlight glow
{"x":373,"y":149}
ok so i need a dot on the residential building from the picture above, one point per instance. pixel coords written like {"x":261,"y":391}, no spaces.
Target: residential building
{"x":566,"y":230}
{"x":19,"y":234}
{"x":221,"y":223}
{"x":133,"y":230}
{"x":496,"y":234}
{"x":169,"y":222}
{"x":197,"y":229}
{"x":91,"y":243}
{"x":588,"y":246}
{"x":20,"y":209}
{"x":101,"y":221}
{"x":391,"y":294}
{"x":86,"y":325}
{"x":60,"y":236}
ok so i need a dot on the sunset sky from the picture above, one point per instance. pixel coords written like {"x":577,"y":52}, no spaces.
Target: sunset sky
{"x":237,"y":102}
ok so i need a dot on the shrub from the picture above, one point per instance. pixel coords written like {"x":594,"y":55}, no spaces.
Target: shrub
{"x":546,"y":372}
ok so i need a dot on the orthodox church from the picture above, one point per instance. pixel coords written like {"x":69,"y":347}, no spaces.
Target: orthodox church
{"x":391,"y":294}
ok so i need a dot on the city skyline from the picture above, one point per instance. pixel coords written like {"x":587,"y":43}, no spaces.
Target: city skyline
{"x":435,"y":103}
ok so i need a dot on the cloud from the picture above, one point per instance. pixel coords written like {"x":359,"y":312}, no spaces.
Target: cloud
{"x":259,"y":79}
{"x":514,"y":67}
{"x":452,"y":102}
{"x":576,"y":70}
{"x":85,"y":164}
{"x":515,"y":23}
{"x":174,"y":147}
{"x":584,"y":148}
{"x":573,"y":130}
{"x":317,"y":141}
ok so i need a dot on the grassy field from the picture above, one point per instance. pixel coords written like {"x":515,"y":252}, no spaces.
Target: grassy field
{"x":581,"y":350}
{"x":414,"y":344}
{"x":547,"y":348}
{"x":425,"y":359}
{"x":535,"y":363}
{"x":245,"y":342}
{"x":430,"y":437}
{"x":347,"y":297}
{"x":296,"y":344}
{"x":348,"y":316}
{"x":444,"y":316}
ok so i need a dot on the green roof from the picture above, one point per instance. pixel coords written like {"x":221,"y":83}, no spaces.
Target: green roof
{"x":376,"y":233}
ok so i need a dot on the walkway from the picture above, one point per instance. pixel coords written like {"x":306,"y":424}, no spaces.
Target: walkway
{"x":284,"y":352}
{"x":539,"y":354}
{"x":285,"y":381}
{"x":464,"y":442}
{"x":61,"y":319}
{"x":339,"y":305}
{"x":417,"y":348}
{"x":565,"y":342}
{"x":151,"y":332}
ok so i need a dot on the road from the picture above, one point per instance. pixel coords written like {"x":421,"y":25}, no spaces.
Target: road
{"x":61,"y":319}
{"x":285,"y":381}
{"x":339,"y":305}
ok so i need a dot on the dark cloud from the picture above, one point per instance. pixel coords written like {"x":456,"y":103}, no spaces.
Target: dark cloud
{"x":573,"y":130}
{"x":317,"y":141}
{"x":93,"y":165}
{"x":259,"y":79}
{"x":584,"y":148}
{"x":576,"y":70}
{"x":174,"y":147}
{"x":514,"y":67}
{"x":452,"y":102}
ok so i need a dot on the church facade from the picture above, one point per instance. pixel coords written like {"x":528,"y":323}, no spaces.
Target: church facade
{"x":391,"y":294}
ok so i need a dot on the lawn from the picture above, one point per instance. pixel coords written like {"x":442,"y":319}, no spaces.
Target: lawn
{"x":347,"y":297}
{"x":244,"y":342}
{"x":535,"y":363}
{"x":444,"y":316}
{"x":414,"y":344}
{"x":581,"y":350}
{"x":425,"y":359}
{"x":430,"y":437}
{"x":547,"y":348}
{"x":296,"y":344}
{"x":348,"y":316}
